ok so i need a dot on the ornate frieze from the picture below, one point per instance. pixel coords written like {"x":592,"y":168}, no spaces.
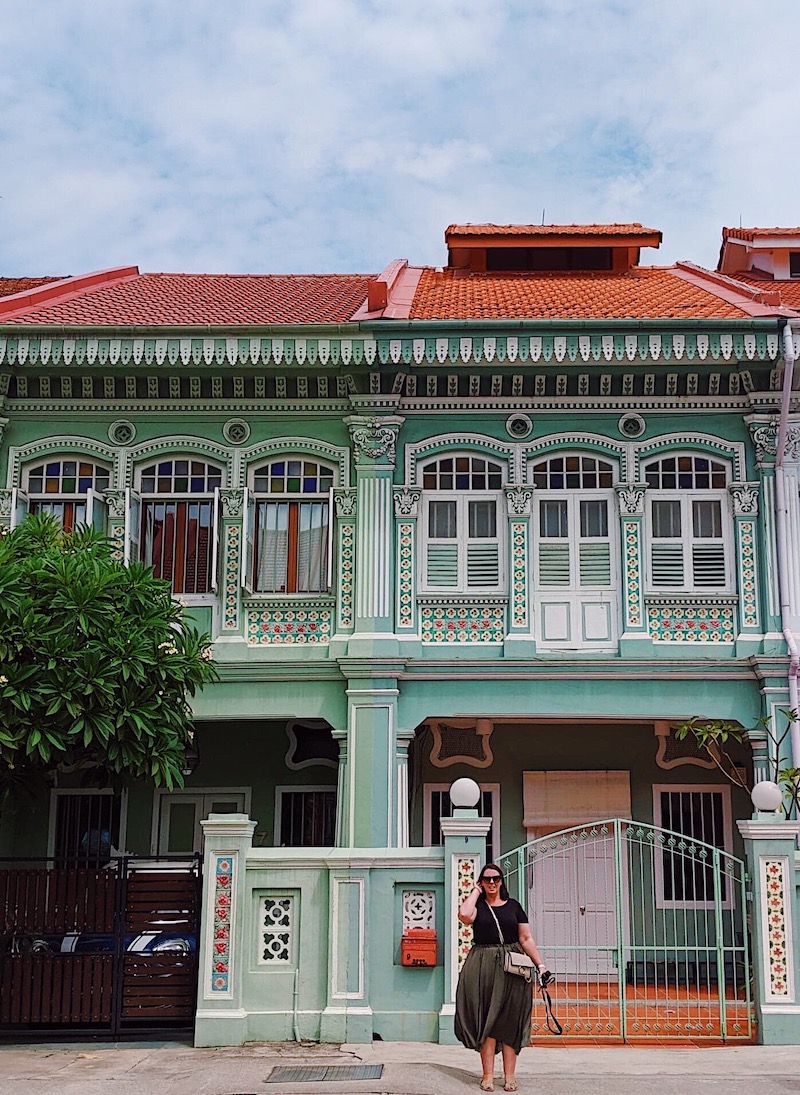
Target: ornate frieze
{"x":406,"y":501}
{"x":765,"y":439}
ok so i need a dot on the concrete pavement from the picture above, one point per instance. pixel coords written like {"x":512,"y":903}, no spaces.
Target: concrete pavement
{"x":408,"y":1069}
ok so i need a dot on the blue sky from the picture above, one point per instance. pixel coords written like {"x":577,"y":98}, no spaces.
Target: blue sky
{"x":337,"y":135}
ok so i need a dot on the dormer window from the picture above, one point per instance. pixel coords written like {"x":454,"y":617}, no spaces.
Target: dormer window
{"x":546,"y":259}
{"x":794,"y":264}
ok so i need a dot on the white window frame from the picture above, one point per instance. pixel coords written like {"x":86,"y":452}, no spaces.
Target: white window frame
{"x":727,"y":829}
{"x":574,"y":539}
{"x":160,"y":794}
{"x":427,"y":812}
{"x":72,"y":792}
{"x":92,"y":499}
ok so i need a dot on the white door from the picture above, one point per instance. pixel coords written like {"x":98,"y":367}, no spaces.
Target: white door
{"x":180,"y":814}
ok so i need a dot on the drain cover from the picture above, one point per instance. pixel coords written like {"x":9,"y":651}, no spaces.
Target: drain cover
{"x":296,"y":1074}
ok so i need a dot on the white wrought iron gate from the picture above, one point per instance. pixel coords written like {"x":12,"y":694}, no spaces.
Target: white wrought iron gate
{"x":644,"y":928}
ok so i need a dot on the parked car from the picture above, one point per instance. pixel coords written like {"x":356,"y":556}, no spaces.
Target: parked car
{"x":153,"y":941}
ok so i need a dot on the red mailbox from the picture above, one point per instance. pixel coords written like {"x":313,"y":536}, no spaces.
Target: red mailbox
{"x":418,"y":947}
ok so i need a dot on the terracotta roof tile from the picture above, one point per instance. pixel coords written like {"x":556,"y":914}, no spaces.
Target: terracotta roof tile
{"x":209,"y":300}
{"x":549,"y":230}
{"x":759,"y":233}
{"x":9,"y":286}
{"x":644,"y":293}
{"x":789,"y":288}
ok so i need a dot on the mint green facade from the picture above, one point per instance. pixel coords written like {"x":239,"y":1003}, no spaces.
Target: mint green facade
{"x":513,"y":662}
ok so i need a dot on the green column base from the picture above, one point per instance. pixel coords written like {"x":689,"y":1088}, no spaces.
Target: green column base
{"x":219,"y":1028}
{"x":342,"y":1024}
{"x":446,"y":1020}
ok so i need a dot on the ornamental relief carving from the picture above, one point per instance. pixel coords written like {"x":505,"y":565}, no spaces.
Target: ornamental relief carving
{"x":345,"y":501}
{"x":373,"y":441}
{"x":518,"y":501}
{"x":5,"y":503}
{"x":115,"y":500}
{"x":406,"y":501}
{"x":232,"y":502}
{"x":745,"y":499}
{"x":765,"y":439}
{"x":631,"y":499}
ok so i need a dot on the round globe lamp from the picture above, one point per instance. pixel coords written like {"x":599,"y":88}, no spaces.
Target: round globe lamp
{"x":767,"y":796}
{"x":464,"y":793}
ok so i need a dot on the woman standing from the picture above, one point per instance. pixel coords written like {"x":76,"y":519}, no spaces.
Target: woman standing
{"x":493,"y":1008}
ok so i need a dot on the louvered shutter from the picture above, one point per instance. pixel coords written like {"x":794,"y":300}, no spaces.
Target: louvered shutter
{"x":667,"y":564}
{"x":554,"y":568}
{"x":483,"y":564}
{"x":708,"y":565}
{"x":594,"y":560}
{"x":442,"y":567}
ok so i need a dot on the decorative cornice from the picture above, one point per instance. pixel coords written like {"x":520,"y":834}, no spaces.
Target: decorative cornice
{"x":660,"y":345}
{"x":745,"y":499}
{"x":406,"y":501}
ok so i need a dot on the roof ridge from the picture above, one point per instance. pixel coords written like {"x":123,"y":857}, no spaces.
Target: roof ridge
{"x":65,"y":289}
{"x":728,"y":288}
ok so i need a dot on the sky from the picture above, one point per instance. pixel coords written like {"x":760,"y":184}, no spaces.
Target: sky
{"x":318,"y":136}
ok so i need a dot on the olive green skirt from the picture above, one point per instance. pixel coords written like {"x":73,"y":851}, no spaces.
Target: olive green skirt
{"x":491,"y":1003}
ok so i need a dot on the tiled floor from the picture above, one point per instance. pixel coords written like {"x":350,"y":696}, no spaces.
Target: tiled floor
{"x":591,"y":1014}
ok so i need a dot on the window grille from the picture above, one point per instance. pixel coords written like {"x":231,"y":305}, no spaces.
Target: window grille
{"x":87,"y":826}
{"x":307,"y":818}
{"x":699,"y":815}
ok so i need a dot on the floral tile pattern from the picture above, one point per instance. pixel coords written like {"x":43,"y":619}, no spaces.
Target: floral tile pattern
{"x":466,"y":880}
{"x":221,"y":944}
{"x":747,"y":573}
{"x":776,"y":893}
{"x":519,"y":571}
{"x":691,"y":623}
{"x":347,"y":560}
{"x":230,"y":617}
{"x":463,"y":623}
{"x":288,"y":626}
{"x":633,"y":594}
{"x":405,"y":577}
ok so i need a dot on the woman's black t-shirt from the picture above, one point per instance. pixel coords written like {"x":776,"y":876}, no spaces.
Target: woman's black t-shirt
{"x":509,"y":916}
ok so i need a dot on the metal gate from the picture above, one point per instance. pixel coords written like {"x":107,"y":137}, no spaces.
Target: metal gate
{"x":109,"y":949}
{"x":645,"y":930}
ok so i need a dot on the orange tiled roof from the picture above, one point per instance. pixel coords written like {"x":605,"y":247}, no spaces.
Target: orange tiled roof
{"x":549,"y":230}
{"x":644,"y":293}
{"x":207,"y":300}
{"x":9,"y":286}
{"x":759,"y":233}
{"x":789,"y":288}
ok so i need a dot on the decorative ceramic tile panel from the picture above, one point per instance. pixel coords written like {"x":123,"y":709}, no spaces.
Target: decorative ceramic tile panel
{"x":276,"y":917}
{"x":631,"y":532}
{"x":224,"y":867}
{"x":466,"y":881}
{"x":419,"y":909}
{"x":463,"y":623}
{"x":747,"y":574}
{"x":116,"y":534}
{"x":519,"y":573}
{"x":288,"y":626}
{"x":405,"y":577}
{"x":691,"y":623}
{"x":346,"y":564}
{"x":773,"y":879}
{"x":233,"y":540}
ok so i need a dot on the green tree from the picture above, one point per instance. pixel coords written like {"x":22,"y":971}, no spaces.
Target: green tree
{"x":96,"y":661}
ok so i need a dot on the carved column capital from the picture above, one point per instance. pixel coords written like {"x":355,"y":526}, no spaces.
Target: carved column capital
{"x":232,"y":500}
{"x":518,"y":501}
{"x":630,"y":497}
{"x":406,"y":501}
{"x":345,"y":500}
{"x":5,"y":503}
{"x":115,"y":500}
{"x":374,"y":439}
{"x":745,"y":499}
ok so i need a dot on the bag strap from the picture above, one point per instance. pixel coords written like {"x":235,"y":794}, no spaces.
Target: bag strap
{"x":497,"y":922}
{"x":553,"y":1024}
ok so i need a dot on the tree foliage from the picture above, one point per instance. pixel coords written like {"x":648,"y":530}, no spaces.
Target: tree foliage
{"x":96,"y":662}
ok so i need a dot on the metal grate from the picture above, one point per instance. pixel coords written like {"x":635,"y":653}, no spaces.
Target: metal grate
{"x":294,"y":1074}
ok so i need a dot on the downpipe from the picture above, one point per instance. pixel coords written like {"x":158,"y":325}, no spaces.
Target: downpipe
{"x":781,"y":528}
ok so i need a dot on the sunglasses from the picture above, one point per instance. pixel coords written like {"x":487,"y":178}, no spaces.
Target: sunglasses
{"x":492,"y":878}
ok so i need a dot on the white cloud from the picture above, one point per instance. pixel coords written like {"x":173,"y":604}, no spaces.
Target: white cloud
{"x":339,"y":134}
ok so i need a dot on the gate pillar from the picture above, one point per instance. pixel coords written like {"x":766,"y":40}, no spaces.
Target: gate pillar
{"x":464,"y":853}
{"x":770,"y":845}
{"x":221,"y":1019}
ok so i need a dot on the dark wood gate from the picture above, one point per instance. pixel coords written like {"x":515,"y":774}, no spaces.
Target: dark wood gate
{"x":111,"y":948}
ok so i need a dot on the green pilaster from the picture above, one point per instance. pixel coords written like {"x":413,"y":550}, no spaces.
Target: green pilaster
{"x":635,"y":637}
{"x":233,"y":618}
{"x":406,"y":512}
{"x":368,"y":806}
{"x":745,"y":514}
{"x":345,"y":541}
{"x":519,"y":640}
{"x":348,"y":1016}
{"x":115,"y":500}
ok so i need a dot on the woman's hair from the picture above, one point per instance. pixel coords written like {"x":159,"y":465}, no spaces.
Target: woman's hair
{"x":504,"y":894}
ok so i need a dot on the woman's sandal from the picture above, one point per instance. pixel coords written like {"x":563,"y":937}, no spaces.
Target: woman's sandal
{"x":487,"y":1085}
{"x":510,"y":1085}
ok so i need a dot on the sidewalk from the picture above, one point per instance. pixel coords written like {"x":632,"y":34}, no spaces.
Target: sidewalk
{"x":409,"y":1068}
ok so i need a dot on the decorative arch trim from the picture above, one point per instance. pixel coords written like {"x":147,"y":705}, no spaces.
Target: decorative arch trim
{"x":281,"y":446}
{"x":594,"y":443}
{"x":732,"y":451}
{"x":450,"y":442}
{"x":19,"y":456}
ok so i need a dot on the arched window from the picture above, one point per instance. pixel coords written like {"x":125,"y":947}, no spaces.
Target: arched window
{"x":288,"y":526}
{"x":179,"y":500}
{"x":575,"y":562}
{"x":463,"y":532}
{"x":69,"y":488}
{"x":689,"y":523}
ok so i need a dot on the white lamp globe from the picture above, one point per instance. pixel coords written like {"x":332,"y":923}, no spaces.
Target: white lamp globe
{"x":767,"y":796}
{"x":465,"y":793}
